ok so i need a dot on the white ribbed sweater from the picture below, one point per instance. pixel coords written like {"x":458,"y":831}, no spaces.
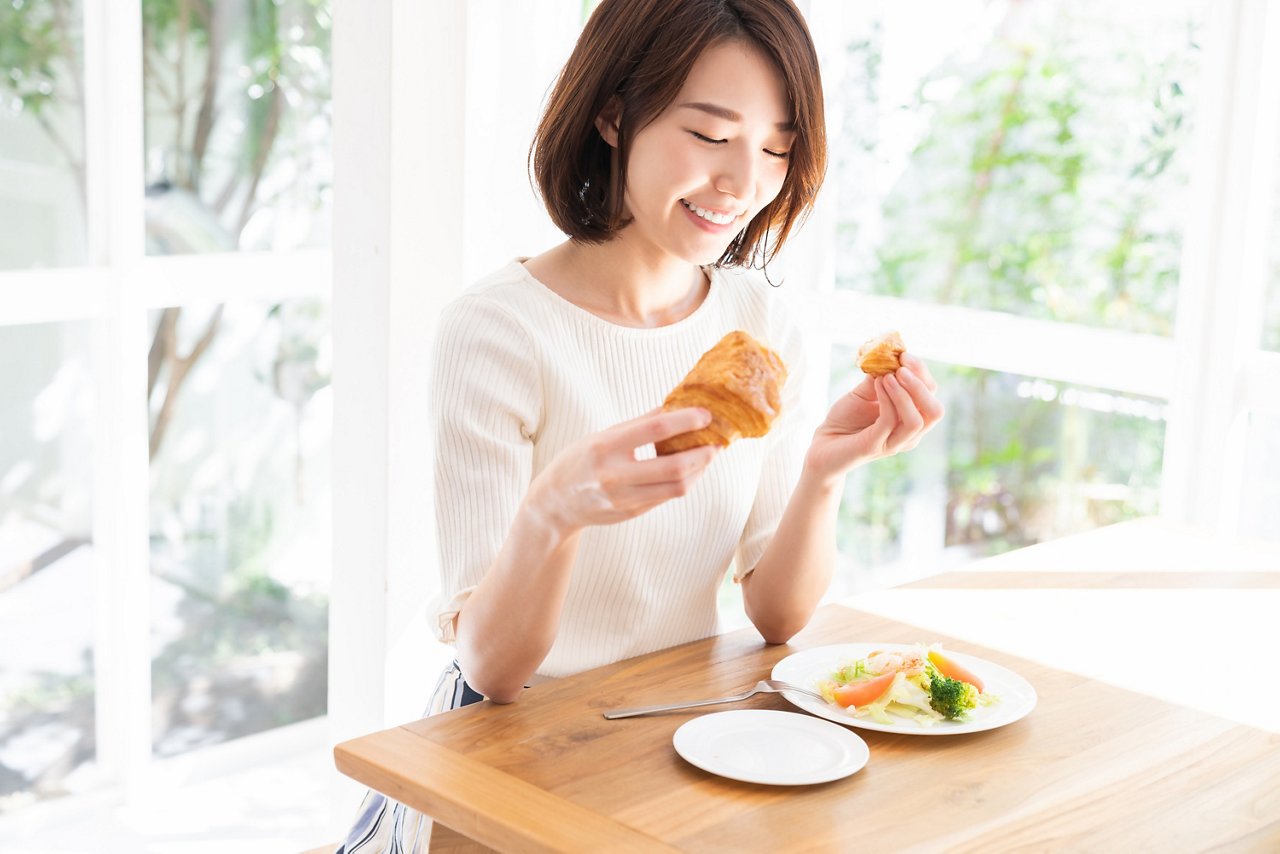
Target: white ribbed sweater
{"x":520,"y":373}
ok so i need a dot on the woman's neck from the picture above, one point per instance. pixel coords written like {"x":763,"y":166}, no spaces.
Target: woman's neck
{"x":620,"y":285}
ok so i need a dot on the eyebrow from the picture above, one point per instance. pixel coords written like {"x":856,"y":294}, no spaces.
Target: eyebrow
{"x":728,"y":114}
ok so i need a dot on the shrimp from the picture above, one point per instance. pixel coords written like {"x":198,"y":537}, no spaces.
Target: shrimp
{"x":909,"y":663}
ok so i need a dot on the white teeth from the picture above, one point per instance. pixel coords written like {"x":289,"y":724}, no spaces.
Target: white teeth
{"x":710,"y":216}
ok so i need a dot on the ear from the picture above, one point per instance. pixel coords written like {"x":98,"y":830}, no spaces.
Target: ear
{"x":607,"y":122}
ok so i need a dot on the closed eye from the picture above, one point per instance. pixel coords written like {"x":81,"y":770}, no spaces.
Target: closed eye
{"x":781,"y":155}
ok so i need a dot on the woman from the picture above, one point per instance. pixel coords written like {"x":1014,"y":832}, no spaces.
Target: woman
{"x":683,"y":140}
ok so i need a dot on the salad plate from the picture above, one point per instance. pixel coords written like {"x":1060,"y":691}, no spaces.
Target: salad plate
{"x":770,"y":747}
{"x":1015,"y":696}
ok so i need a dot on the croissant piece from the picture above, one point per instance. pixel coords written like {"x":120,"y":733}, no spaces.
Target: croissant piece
{"x":882,"y":355}
{"x":739,"y":381}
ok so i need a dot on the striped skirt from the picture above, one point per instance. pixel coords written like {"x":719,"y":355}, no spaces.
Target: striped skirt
{"x":384,"y":826}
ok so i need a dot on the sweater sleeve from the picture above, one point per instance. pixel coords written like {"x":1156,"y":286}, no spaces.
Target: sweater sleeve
{"x":486,"y":400}
{"x":787,"y":443}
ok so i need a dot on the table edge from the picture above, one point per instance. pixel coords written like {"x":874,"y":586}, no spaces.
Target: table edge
{"x":495,"y":798}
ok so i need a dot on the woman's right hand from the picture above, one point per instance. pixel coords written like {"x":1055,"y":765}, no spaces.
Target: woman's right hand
{"x":599,"y":481}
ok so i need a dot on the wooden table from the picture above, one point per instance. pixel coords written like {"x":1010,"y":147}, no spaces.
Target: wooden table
{"x":1157,"y":728}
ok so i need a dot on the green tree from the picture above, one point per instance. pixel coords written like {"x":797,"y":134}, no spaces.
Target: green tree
{"x":1044,"y":183}
{"x":220,"y":80}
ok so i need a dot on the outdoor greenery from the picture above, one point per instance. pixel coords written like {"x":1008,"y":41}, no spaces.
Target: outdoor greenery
{"x":1044,"y":180}
{"x":238,"y":118}
{"x":235,"y":509}
{"x":42,"y":75}
{"x":237,"y":129}
{"x":1041,"y":183}
{"x":252,"y":653}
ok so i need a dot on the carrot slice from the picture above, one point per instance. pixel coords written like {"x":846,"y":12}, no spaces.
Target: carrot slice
{"x":953,"y":670}
{"x":861,"y":693}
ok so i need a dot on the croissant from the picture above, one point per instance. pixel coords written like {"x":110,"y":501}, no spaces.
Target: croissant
{"x":739,"y":381}
{"x":882,"y":355}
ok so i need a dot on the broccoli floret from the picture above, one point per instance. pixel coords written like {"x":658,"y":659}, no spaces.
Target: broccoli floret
{"x":951,"y":698}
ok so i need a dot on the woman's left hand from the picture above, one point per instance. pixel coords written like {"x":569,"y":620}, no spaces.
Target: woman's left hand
{"x":880,"y":417}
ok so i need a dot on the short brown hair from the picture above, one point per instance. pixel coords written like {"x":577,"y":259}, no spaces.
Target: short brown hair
{"x":641,"y":51}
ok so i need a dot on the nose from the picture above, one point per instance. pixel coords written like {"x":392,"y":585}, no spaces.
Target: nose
{"x":736,"y":174}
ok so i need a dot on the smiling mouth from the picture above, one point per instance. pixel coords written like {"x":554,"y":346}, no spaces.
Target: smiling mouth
{"x":709,"y":216}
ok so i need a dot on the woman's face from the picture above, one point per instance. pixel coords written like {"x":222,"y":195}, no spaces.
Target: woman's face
{"x":709,"y":162}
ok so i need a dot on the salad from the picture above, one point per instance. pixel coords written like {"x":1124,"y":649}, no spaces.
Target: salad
{"x":924,"y":684}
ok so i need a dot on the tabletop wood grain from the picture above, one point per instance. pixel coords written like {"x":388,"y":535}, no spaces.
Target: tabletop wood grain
{"x":1094,"y":767}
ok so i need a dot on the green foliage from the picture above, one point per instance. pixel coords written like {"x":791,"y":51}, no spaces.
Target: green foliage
{"x":1043,"y":180}
{"x":870,"y":527}
{"x":238,"y":622}
{"x":1024,"y":467}
{"x":233,"y":98}
{"x":46,"y":694}
{"x":38,"y":51}
{"x":167,"y":22}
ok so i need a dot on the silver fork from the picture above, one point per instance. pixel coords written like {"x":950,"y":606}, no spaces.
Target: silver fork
{"x":764,"y":686}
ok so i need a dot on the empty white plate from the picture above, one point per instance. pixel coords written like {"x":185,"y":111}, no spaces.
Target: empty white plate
{"x":766,"y":746}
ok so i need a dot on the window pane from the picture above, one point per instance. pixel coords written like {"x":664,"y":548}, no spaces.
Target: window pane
{"x":237,"y":102}
{"x":240,"y":520}
{"x":1271,"y":328}
{"x":42,"y":179}
{"x":1261,"y":505}
{"x":1271,"y":317}
{"x":1029,"y":158}
{"x":46,"y":563}
{"x":1017,"y":460}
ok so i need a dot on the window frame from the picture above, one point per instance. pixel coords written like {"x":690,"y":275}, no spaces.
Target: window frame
{"x":401,"y":111}
{"x":115,"y":290}
{"x":1221,"y":286}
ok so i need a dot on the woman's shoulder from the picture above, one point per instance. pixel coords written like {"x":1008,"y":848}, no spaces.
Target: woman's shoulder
{"x":504,"y":285}
{"x":493,"y":308}
{"x":503,"y":293}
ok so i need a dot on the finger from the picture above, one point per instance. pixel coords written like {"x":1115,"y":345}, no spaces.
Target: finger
{"x":655,"y":427}
{"x":878,"y":431}
{"x":922,"y":396}
{"x":910,"y":421}
{"x":642,"y":498}
{"x":682,"y":465}
{"x":921,"y":370}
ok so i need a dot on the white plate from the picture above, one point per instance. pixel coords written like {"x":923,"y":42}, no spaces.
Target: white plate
{"x":807,"y":668}
{"x":766,"y":746}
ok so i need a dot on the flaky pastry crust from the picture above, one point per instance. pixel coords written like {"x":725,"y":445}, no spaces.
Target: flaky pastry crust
{"x":739,"y":381}
{"x":881,"y":355}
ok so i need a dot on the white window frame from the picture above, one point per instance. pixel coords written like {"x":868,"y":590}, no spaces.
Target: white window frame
{"x":398,"y":140}
{"x":1148,"y":365}
{"x":1212,"y":370}
{"x":114,"y":292}
{"x":402,"y":74}
{"x":1222,"y":373}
